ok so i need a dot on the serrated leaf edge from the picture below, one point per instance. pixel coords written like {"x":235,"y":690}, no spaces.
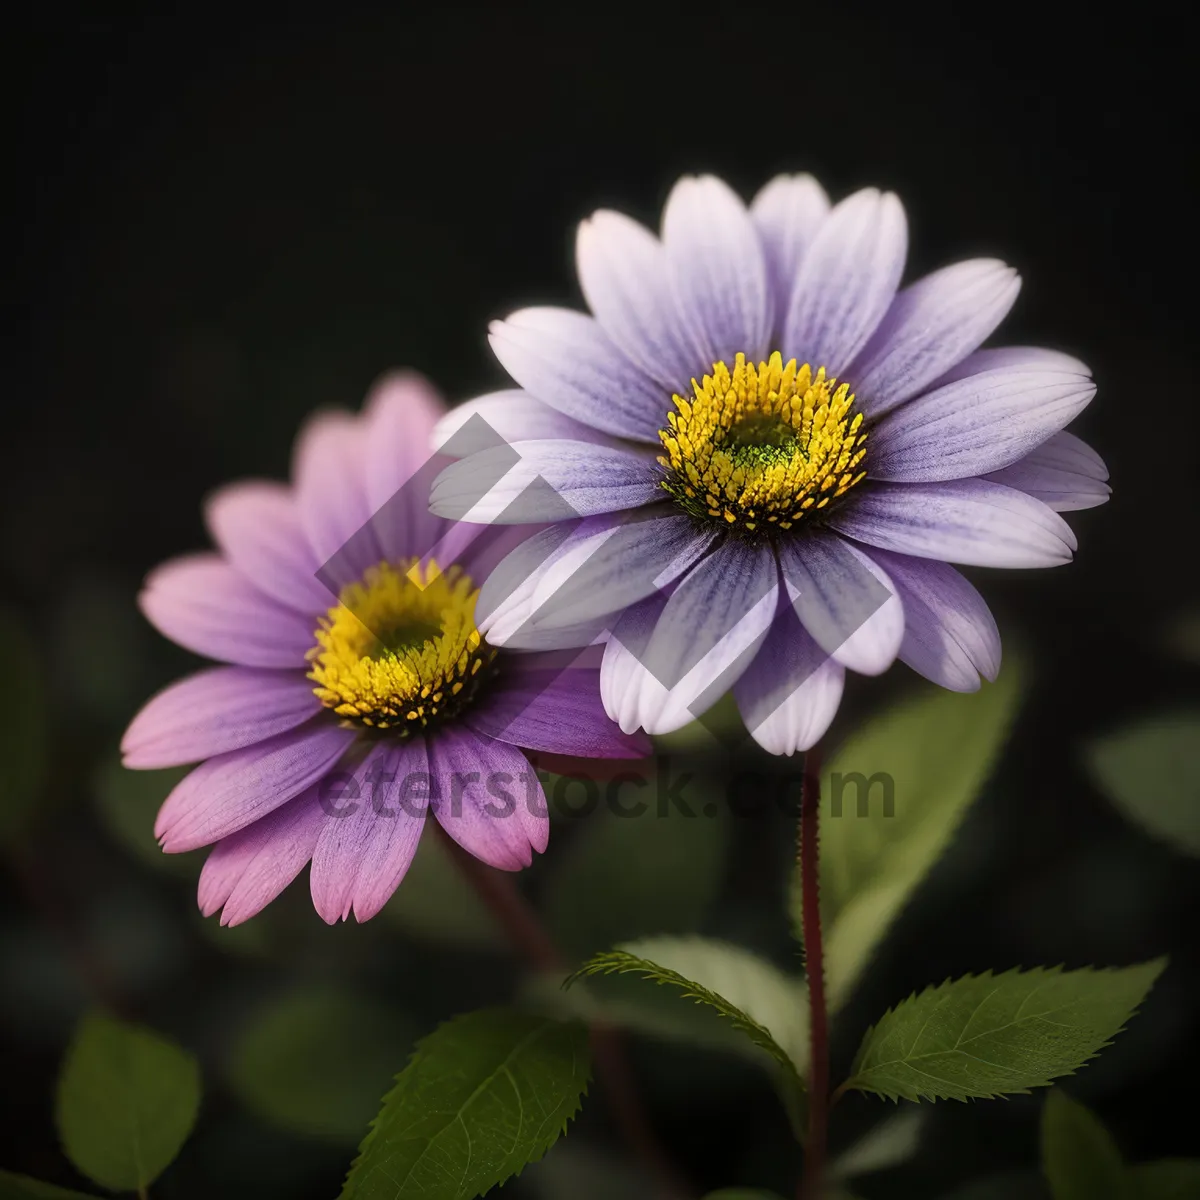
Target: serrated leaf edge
{"x":622,"y":962}
{"x":1049,"y":972}
{"x":414,"y":1054}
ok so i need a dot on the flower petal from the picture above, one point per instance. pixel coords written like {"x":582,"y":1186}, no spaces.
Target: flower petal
{"x":488,"y":798}
{"x":950,"y":635}
{"x":567,"y":361}
{"x":203,"y":604}
{"x":965,"y":521}
{"x":553,"y":709}
{"x":513,"y":415}
{"x":371,"y":833}
{"x":553,"y":481}
{"x":1064,"y":473}
{"x":791,"y":691}
{"x":617,"y":568}
{"x":257,"y":528}
{"x":844,"y":599}
{"x":622,"y":271}
{"x":664,"y":665}
{"x":245,"y":871}
{"x":328,"y":466}
{"x":787,"y":213}
{"x":716,"y":268}
{"x":399,"y":464}
{"x":215,"y":711}
{"x":1012,"y":358}
{"x":399,"y":417}
{"x":228,"y":792}
{"x":847,"y":281}
{"x":974,"y":425}
{"x":930,"y":326}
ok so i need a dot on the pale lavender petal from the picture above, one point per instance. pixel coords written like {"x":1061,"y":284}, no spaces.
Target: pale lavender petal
{"x":505,"y":608}
{"x":791,"y":691}
{"x":662,"y":675}
{"x":246,"y":870}
{"x":506,"y":596}
{"x":974,"y":425}
{"x":715,"y":264}
{"x":847,"y":281}
{"x":965,"y":521}
{"x":203,"y":604}
{"x":950,"y":634}
{"x":399,"y":415}
{"x":329,"y":466}
{"x":214,"y":711}
{"x":368,"y":843}
{"x":552,"y":709}
{"x":930,"y":326}
{"x":622,"y":271}
{"x":621,"y":672}
{"x":228,"y":792}
{"x":618,"y":568}
{"x":844,"y":599}
{"x":1012,"y":358}
{"x":398,"y":422}
{"x":257,"y":527}
{"x":1064,"y":473}
{"x":552,"y":481}
{"x":488,"y":798}
{"x":514,"y":415}
{"x":787,"y":213}
{"x":567,"y":361}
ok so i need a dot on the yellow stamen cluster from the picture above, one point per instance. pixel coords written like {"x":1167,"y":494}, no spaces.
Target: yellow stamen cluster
{"x":401,"y":648}
{"x":762,"y":447}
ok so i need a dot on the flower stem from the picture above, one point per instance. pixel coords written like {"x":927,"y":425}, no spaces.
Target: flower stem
{"x":530,"y":939}
{"x":810,"y":891}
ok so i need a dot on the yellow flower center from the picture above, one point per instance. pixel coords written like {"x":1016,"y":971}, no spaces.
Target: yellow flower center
{"x":762,"y":447}
{"x":401,"y":649}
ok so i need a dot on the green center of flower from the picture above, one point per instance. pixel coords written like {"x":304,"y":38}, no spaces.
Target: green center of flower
{"x":762,"y":447}
{"x":401,"y":650}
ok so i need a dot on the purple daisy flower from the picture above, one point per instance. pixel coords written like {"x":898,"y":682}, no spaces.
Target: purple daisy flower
{"x":774,"y":453}
{"x":359,"y":693}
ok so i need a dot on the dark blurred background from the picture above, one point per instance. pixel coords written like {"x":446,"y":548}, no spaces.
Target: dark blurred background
{"x":221,"y":224}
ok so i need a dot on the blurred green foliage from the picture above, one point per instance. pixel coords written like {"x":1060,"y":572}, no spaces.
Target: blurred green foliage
{"x":1151,"y":772}
{"x":316,"y":1060}
{"x":127,"y":1100}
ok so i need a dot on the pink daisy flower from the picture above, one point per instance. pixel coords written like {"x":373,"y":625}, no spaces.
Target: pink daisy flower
{"x":358,"y":695}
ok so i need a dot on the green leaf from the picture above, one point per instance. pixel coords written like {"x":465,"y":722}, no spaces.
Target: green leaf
{"x":22,"y":727}
{"x":737,"y":1193}
{"x":1010,"y":1185}
{"x":1151,"y":772}
{"x":483,"y":1095}
{"x":585,"y":1172}
{"x":1167,"y":1179}
{"x":127,"y":1100}
{"x":937,"y":752}
{"x":759,"y":1001}
{"x":316,"y":1062}
{"x":128,"y":802}
{"x":1079,"y":1157}
{"x":658,"y":872}
{"x":21,"y":1187}
{"x":892,"y":1142}
{"x":437,"y":905}
{"x":989,"y":1035}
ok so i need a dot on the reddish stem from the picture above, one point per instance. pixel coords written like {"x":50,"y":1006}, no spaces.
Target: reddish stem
{"x":530,"y":939}
{"x":810,"y":891}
